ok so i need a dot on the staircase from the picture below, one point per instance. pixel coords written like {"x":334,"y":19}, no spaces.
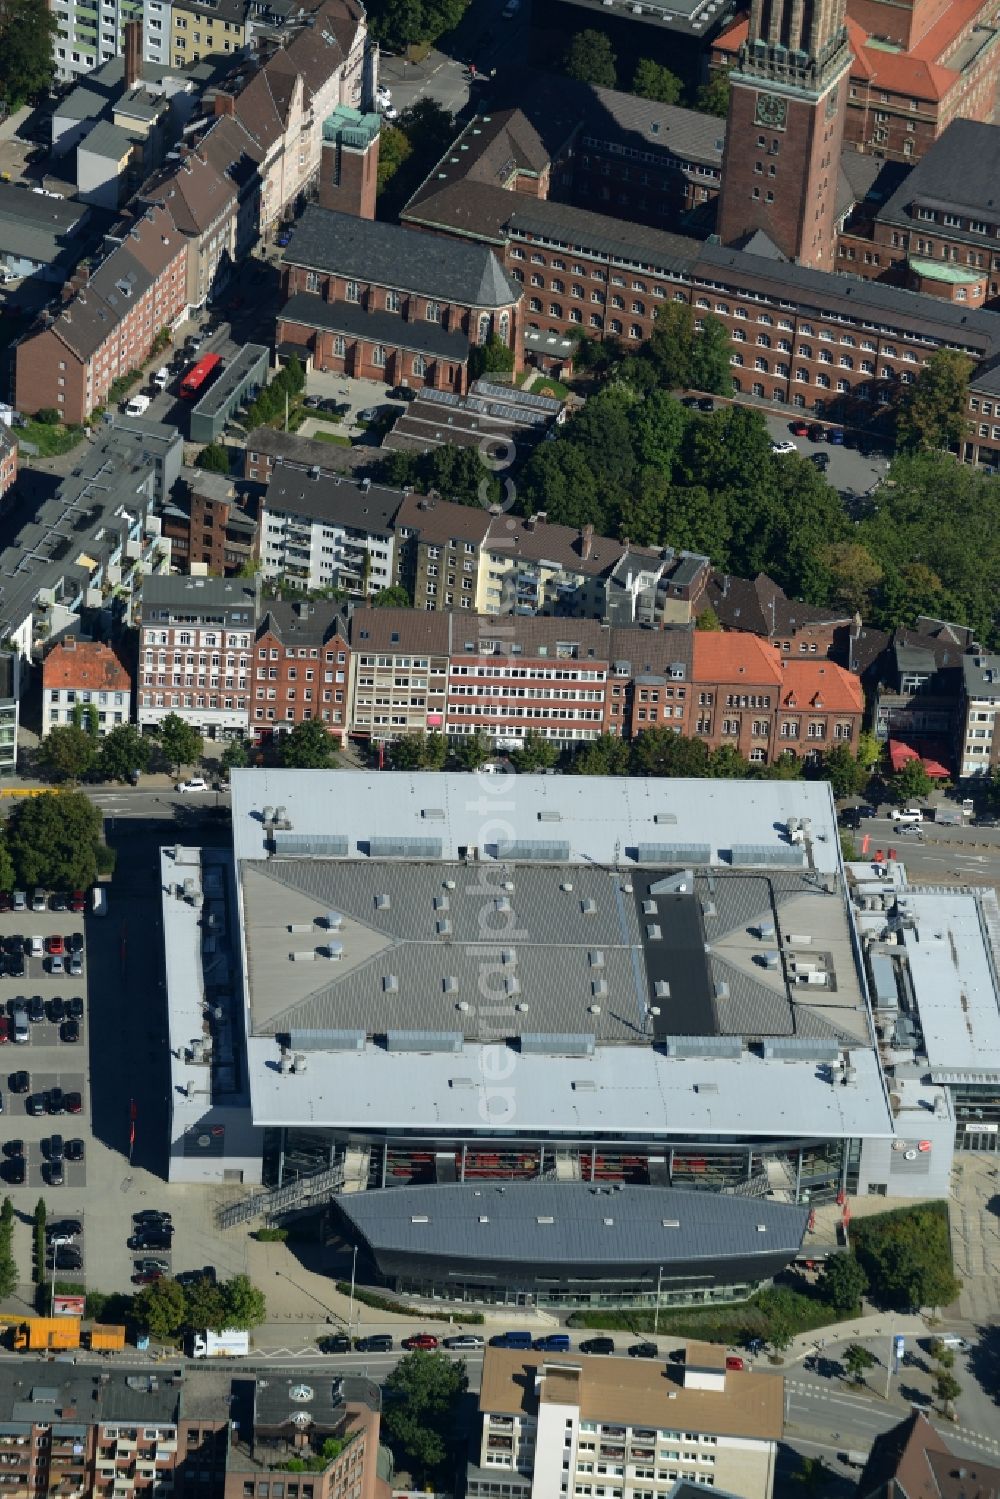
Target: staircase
{"x":568,"y":1166}
{"x":297,"y":1194}
{"x":357,"y":1161}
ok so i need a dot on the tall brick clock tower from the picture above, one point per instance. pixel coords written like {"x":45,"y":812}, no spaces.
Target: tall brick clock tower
{"x":786,"y":126}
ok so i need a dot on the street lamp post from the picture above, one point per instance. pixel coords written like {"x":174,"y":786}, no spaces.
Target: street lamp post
{"x":350,"y":1315}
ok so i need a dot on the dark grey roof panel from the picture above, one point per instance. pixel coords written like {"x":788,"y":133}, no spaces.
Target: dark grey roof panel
{"x":378,"y":326}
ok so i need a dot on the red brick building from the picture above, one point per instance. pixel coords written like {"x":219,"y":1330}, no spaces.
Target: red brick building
{"x":378,"y":302}
{"x":210,"y":528}
{"x":301,"y":669}
{"x":68,"y":363}
{"x":8,"y":459}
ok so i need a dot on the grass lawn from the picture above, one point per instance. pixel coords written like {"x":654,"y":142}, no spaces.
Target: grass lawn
{"x":732,"y":1325}
{"x":544,"y":385}
{"x":334,"y":437}
{"x":50,"y":440}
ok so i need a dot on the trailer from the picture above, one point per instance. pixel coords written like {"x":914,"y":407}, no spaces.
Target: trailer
{"x":231,"y":1342}
{"x":45,"y":1334}
{"x":106,"y":1339}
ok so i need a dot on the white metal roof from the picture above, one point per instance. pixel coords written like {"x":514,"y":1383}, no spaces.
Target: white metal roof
{"x":954,"y":979}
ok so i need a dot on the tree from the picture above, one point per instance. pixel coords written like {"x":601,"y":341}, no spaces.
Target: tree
{"x":245,"y":1306}
{"x":855,"y":573}
{"x":407,"y":752}
{"x":205,"y":1305}
{"x":947,"y":1388}
{"x":844,"y":1283}
{"x":726,"y":763}
{"x":857,"y":1358}
{"x":932,"y":413}
{"x":842,"y":770}
{"x":435,"y":751}
{"x":122,"y":751}
{"x":234,"y":756}
{"x":395,"y":597}
{"x":536,"y":753}
{"x":945,"y":1356}
{"x":491,"y":358}
{"x":906,"y":1255}
{"x":911,"y":782}
{"x":869,"y":750}
{"x":309,"y":746}
{"x":653,"y":81}
{"x":27,"y":33}
{"x":662,"y":752}
{"x":85,"y":718}
{"x":393,"y":149}
{"x":6,"y":864}
{"x":710,"y":369}
{"x":671,"y":344}
{"x":708,"y":619}
{"x":8,"y":1264}
{"x":472,"y":751}
{"x":53,"y":840}
{"x":214,"y":458}
{"x":67,"y":753}
{"x":161,"y":1308}
{"x":424,"y":1391}
{"x":591,"y":59}
{"x":180,"y":741}
{"x":713,"y":97}
{"x":607,"y":755}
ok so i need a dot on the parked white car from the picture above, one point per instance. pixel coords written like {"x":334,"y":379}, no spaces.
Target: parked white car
{"x":137,"y":406}
{"x":911,"y":815}
{"x":161,"y":378}
{"x":196,"y":783}
{"x":785,"y":446}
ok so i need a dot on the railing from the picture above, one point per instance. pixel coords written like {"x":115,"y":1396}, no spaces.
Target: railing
{"x":284,"y":1199}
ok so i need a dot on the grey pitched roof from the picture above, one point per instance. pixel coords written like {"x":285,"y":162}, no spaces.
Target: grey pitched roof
{"x":333,"y":498}
{"x":304,"y":622}
{"x":598,"y":231}
{"x":81,"y":104}
{"x":961,"y":170}
{"x":379,"y":326}
{"x":392,"y":255}
{"x":709,"y":1224}
{"x":105,"y":139}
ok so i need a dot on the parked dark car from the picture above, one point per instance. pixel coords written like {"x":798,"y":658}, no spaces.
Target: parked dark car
{"x":36,"y":1009}
{"x":19,"y":1082}
{"x":37,"y":1104}
{"x":57,"y":1101}
{"x":644,"y":1350}
{"x":706,"y":404}
{"x":598,"y":1345}
{"x":69,"y":1031}
{"x":151,"y":1215}
{"x":74,"y":1008}
{"x":377,"y":1342}
{"x":57,"y":1010}
{"x":74,"y":1150}
{"x":402,"y":393}
{"x":339,"y":1343}
{"x":817,"y":432}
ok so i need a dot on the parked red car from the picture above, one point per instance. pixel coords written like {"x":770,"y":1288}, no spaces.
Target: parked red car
{"x":78,"y":902}
{"x":423,"y":1340}
{"x":799,"y":429}
{"x":55,"y":946}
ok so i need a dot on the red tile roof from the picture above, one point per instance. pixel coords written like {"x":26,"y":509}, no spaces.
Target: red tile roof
{"x":85,"y":664}
{"x":728,"y":657}
{"x":820,"y":684}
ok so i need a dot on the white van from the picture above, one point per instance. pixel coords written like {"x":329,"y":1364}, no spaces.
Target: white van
{"x":99,"y":900}
{"x":137,"y":406}
{"x":161,"y":378}
{"x":909,"y":815}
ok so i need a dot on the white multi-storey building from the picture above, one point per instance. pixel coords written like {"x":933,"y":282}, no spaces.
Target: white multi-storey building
{"x":195,"y":652}
{"x":582,"y":1425}
{"x":320,"y":530}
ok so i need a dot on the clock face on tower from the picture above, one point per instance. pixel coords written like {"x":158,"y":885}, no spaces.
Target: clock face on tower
{"x":771,"y":110}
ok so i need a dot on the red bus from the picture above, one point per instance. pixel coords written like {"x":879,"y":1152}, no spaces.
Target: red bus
{"x":199,"y":375}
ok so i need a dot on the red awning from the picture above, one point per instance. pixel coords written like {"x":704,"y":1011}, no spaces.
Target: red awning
{"x":932,"y":756}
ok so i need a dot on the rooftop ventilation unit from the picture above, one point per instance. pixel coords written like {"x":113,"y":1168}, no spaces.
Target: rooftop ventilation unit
{"x":588,"y":907}
{"x":404,"y":848}
{"x":654,"y":931}
{"x":437,"y":1041}
{"x":673,"y":853}
{"x":441,"y":903}
{"x":327,"y":1040}
{"x":382,"y":903}
{"x":729,"y":1048}
{"x":443,"y":927}
{"x":595,"y":959}
{"x":706,"y":1087}
{"x":767,"y":853}
{"x":333,"y":921}
{"x":599,"y":988}
{"x":668,"y":818}
{"x":801,"y":1049}
{"x":528,"y":849}
{"x":435,"y":814}
{"x":584,"y":1085}
{"x":649,"y":908}
{"x":310,"y":845}
{"x":662,"y":988}
{"x":553,"y":1044}
{"x":390,"y":983}
{"x":450,"y":984}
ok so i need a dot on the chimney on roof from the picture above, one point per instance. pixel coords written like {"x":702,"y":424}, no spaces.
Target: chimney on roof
{"x":133,"y":53}
{"x":586,"y":540}
{"x":225,"y":104}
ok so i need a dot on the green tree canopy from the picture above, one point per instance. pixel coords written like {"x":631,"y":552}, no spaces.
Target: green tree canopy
{"x":591,"y":59}
{"x":708,"y":620}
{"x":123,"y":750}
{"x":394,"y":597}
{"x":653,"y":81}
{"x":662,"y":752}
{"x":205,"y":1305}
{"x":932,"y":413}
{"x":842,"y":770}
{"x":906,"y":1255}
{"x":245,"y":1306}
{"x":28,"y":32}
{"x":398,"y":24}
{"x":713,"y":96}
{"x":424,"y":1391}
{"x":536,"y":753}
{"x":393,"y":149}
{"x":911,"y":782}
{"x":857,"y":1358}
{"x":607,"y":755}
{"x":472,"y":751}
{"x":844,"y":1283}
{"x":419,"y":752}
{"x":180,"y":741}
{"x":235,"y":756}
{"x":67,"y":753}
{"x":53,"y":840}
{"x":491,"y":358}
{"x":214,"y":458}
{"x":710,"y":368}
{"x":309,"y":746}
{"x":161,"y":1308}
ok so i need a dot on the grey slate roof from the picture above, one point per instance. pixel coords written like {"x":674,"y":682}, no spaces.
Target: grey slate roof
{"x":36,"y":228}
{"x":106,"y":139}
{"x":378,"y":326}
{"x":81,"y":104}
{"x":305,"y":622}
{"x":392,"y":255}
{"x":164,"y":591}
{"x":961,"y":170}
{"x":333,"y":498}
{"x":709,"y":1224}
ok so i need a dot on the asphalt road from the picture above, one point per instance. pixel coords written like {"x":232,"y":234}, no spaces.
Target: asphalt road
{"x":848,"y":471}
{"x":966,"y":854}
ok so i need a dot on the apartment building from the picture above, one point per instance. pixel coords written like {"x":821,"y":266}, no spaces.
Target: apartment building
{"x":211,"y":529}
{"x":10,"y":710}
{"x":301,"y":669}
{"x":199,"y":28}
{"x":544,"y":675}
{"x":8,"y":459}
{"x":377,"y":301}
{"x":439,"y":552}
{"x":978,"y":740}
{"x":399,"y":672}
{"x":68,"y":363}
{"x":982,"y":444}
{"x":203,"y":203}
{"x":85,"y":681}
{"x":592,"y":1426}
{"x":195,"y":649}
{"x":320,"y":530}
{"x":761,"y":606}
